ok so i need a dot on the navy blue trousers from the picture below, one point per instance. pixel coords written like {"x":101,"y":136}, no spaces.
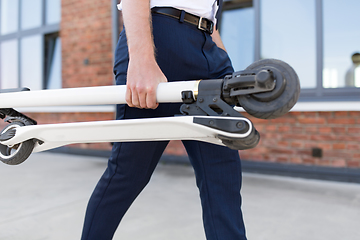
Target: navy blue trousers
{"x":183,"y":53}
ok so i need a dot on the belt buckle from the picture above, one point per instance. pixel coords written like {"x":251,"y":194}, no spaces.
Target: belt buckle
{"x":210,"y":30}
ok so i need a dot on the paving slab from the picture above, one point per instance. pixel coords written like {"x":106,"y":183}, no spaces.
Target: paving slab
{"x":45,"y":199}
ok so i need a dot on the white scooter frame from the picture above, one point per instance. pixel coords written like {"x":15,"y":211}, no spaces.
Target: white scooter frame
{"x":209,"y":116}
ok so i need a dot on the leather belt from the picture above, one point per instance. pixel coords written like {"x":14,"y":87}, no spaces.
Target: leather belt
{"x":201,"y":23}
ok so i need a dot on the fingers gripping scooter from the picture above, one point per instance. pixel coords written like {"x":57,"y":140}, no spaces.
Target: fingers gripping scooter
{"x":266,"y":89}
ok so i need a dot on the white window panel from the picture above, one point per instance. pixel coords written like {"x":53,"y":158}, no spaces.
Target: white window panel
{"x":32,"y":62}
{"x":238,"y":35}
{"x":9,"y":16}
{"x":341,"y":41}
{"x":288,"y":33}
{"x":53,"y":11}
{"x":31,"y":14}
{"x":54,"y":81}
{"x":9,"y":77}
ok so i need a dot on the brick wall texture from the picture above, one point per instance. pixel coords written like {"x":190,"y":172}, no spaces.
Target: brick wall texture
{"x":291,"y":139}
{"x":86,"y":33}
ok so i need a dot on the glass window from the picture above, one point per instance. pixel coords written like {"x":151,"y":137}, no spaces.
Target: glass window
{"x":27,"y":57}
{"x":237,"y":33}
{"x":9,"y":64}
{"x":31,"y":14}
{"x":288,"y":33}
{"x":53,"y":11}
{"x":9,"y":16}
{"x":341,"y":43}
{"x":32,"y":62}
{"x":53,"y":62}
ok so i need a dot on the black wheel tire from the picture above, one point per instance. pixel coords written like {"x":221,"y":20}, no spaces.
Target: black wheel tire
{"x":18,"y":153}
{"x":274,"y":104}
{"x":241,"y":144}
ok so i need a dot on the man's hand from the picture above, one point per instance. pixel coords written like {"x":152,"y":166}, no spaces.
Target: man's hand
{"x":143,"y":74}
{"x":217,"y":39}
{"x":143,"y":77}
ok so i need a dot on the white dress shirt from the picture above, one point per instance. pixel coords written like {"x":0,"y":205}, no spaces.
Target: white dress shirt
{"x":201,"y":8}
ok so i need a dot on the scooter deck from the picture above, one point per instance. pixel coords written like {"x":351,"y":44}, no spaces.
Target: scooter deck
{"x":201,"y":128}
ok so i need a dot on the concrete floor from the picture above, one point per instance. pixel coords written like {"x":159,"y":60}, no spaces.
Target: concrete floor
{"x":45,"y":199}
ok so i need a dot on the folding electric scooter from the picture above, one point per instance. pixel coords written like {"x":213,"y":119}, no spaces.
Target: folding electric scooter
{"x":266,"y":89}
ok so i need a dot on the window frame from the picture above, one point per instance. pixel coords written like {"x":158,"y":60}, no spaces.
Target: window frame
{"x":319,"y":93}
{"x":49,"y":54}
{"x":42,"y":30}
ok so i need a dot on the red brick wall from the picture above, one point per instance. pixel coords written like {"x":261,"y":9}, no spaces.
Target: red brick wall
{"x":86,"y":33}
{"x":291,"y":138}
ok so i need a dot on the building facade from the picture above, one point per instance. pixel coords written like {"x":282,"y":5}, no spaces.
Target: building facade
{"x":69,"y":43}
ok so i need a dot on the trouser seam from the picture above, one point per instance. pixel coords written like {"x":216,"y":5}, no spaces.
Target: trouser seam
{"x":102,"y":197}
{"x":207,"y":190}
{"x":203,"y":52}
{"x":107,"y":186}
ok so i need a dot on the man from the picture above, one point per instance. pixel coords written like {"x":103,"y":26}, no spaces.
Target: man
{"x":352,"y":76}
{"x":159,"y":45}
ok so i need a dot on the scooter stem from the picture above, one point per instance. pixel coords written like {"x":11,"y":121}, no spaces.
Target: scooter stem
{"x":102,"y":95}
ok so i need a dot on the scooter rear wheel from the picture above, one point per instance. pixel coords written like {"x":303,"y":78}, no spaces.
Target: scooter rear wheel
{"x":281,"y":99}
{"x":18,"y":153}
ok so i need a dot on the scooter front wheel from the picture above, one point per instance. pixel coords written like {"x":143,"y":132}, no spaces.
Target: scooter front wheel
{"x":18,"y":153}
{"x":281,"y":99}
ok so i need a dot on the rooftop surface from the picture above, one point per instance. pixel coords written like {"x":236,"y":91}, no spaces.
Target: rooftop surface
{"x":45,"y":199}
